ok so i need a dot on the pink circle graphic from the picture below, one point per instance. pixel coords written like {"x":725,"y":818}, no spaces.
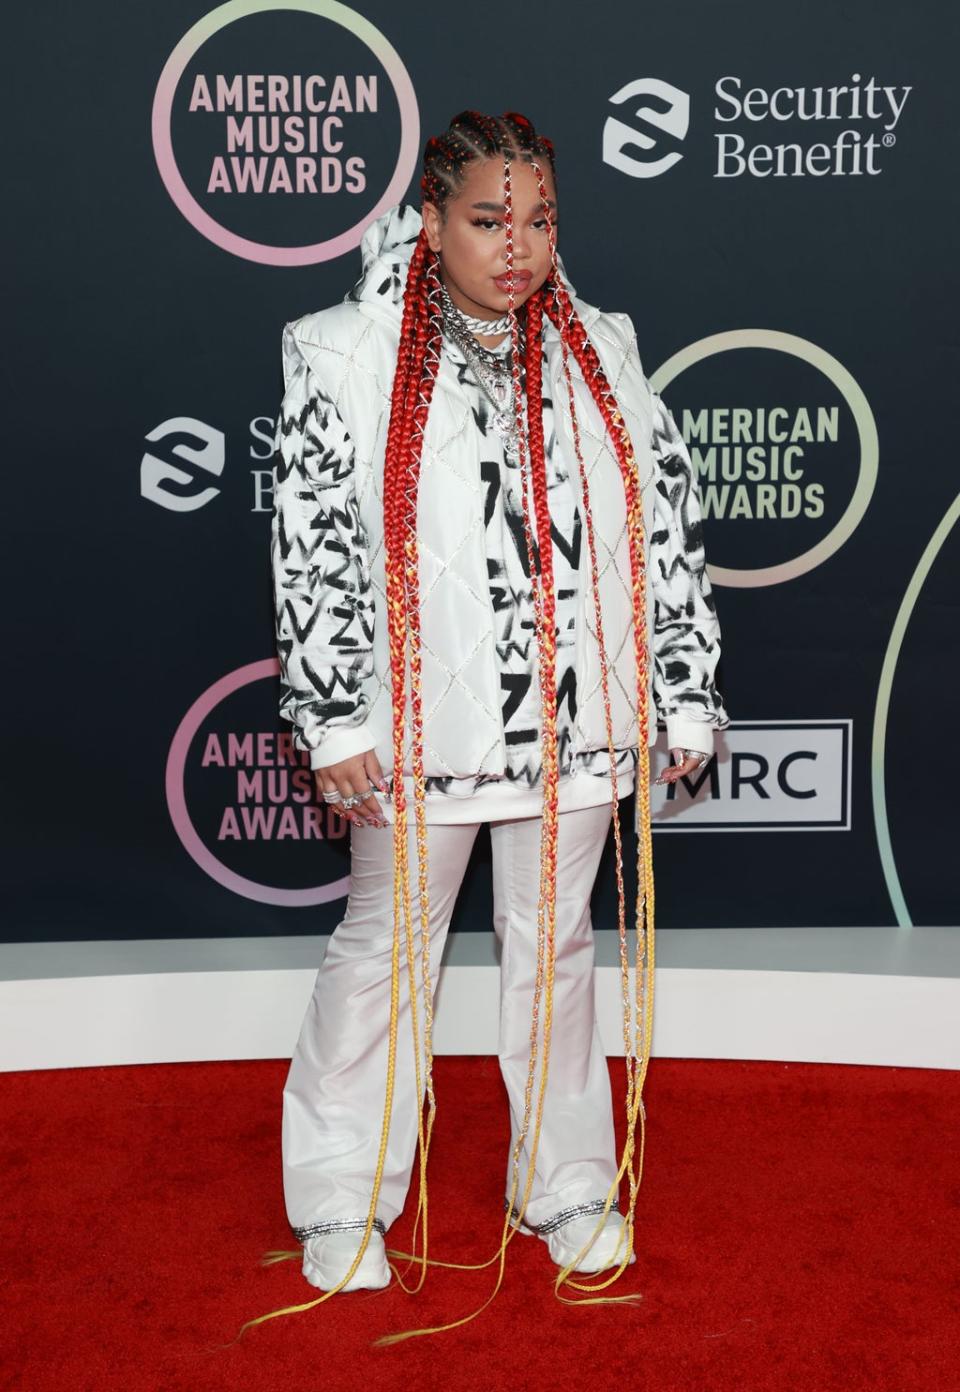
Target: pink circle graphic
{"x":197,"y":848}
{"x":197,"y":216}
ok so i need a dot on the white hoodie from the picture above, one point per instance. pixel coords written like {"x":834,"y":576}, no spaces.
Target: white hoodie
{"x":327,"y":545}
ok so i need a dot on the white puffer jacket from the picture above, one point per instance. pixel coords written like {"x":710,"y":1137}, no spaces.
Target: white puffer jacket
{"x":328,"y":546}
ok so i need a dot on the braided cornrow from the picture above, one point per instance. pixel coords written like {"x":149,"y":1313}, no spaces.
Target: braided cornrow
{"x":472,"y":135}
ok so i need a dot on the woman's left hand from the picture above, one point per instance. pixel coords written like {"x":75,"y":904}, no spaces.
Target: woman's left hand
{"x":674,"y":771}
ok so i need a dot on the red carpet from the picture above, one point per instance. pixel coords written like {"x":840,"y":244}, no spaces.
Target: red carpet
{"x":798,"y":1229}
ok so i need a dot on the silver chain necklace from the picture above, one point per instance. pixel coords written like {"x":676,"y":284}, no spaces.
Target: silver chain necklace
{"x":492,"y":370}
{"x":476,"y":326}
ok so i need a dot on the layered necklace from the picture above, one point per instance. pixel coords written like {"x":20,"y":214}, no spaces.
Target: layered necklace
{"x":492,"y":369}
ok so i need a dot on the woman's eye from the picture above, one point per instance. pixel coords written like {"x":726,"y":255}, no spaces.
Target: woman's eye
{"x":490,"y":224}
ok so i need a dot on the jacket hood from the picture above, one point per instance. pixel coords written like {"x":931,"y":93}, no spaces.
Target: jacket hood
{"x":386,"y":249}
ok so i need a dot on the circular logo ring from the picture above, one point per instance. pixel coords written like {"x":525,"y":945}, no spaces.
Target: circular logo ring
{"x":193,"y":843}
{"x":173,"y":70}
{"x":851,"y":392}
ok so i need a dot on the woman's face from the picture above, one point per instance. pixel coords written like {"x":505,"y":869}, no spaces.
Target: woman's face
{"x":471,"y":240}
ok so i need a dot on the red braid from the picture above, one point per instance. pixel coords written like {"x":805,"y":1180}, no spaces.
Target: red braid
{"x":563,"y":315}
{"x":418,"y":360}
{"x":573,"y":338}
{"x":533,"y":477}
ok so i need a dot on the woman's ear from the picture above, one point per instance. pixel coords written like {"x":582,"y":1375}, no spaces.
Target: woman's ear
{"x":432,"y":223}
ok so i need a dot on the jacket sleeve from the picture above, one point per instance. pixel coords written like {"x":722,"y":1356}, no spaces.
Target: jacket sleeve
{"x":686,"y":630}
{"x":323,"y":597}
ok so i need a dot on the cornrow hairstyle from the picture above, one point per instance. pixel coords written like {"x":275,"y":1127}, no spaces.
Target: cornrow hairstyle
{"x":473,"y":135}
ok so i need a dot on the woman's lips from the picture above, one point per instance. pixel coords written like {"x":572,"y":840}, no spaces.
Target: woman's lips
{"x":521,"y":279}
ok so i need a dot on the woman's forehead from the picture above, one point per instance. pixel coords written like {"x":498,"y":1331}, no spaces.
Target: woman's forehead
{"x":484,"y":182}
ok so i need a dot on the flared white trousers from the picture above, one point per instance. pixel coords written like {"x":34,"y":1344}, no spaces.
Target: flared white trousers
{"x":333,"y":1098}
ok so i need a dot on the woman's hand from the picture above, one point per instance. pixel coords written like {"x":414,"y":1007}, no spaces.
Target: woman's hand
{"x":349,"y":777}
{"x":681,"y":765}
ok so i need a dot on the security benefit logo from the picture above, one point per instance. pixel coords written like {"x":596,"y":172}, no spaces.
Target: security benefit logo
{"x":768,"y":775}
{"x":644,"y":145}
{"x":184,"y":455}
{"x":757,"y":129}
{"x":164,"y":482}
{"x":784,"y":447}
{"x":242,"y":798}
{"x":280,"y":132}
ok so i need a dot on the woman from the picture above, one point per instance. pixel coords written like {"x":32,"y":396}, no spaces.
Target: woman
{"x":460,"y":404}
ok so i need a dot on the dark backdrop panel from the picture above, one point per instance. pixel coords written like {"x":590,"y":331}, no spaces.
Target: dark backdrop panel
{"x":124,"y":318}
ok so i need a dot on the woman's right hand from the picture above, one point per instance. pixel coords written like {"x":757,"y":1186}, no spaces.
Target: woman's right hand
{"x":350,"y":776}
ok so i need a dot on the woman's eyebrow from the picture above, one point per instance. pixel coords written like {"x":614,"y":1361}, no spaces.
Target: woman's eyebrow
{"x":500,"y":208}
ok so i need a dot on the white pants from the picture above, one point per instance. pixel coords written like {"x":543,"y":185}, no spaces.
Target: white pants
{"x":334,"y":1093}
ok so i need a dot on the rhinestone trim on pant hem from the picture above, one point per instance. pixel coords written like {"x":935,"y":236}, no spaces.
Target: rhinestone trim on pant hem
{"x":565,"y":1215}
{"x":330,"y":1225}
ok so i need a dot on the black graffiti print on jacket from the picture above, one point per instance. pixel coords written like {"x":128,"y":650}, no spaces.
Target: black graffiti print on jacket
{"x":324,"y":597}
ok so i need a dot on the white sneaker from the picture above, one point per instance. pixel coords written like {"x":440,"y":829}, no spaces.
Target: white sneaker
{"x":328,"y":1257}
{"x":566,"y":1241}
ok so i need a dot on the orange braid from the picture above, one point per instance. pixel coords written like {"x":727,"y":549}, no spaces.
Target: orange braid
{"x":417,"y":361}
{"x":543,"y":591}
{"x":573,"y":337}
{"x":540,"y":559}
{"x":410,"y":407}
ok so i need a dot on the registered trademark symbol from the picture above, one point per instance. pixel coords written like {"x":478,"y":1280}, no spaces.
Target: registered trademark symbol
{"x":889,"y":139}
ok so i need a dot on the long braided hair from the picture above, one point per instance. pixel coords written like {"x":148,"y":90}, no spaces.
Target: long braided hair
{"x":472,"y":135}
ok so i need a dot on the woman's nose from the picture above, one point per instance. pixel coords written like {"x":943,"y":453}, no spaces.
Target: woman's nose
{"x":521,"y":245}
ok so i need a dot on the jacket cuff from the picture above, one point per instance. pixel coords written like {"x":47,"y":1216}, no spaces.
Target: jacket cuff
{"x":685,"y":733}
{"x":341,"y":742}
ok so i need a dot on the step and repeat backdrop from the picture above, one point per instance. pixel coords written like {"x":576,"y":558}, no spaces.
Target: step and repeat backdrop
{"x":770,"y":193}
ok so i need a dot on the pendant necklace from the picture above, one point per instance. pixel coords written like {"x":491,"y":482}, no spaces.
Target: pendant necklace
{"x":493,"y":370}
